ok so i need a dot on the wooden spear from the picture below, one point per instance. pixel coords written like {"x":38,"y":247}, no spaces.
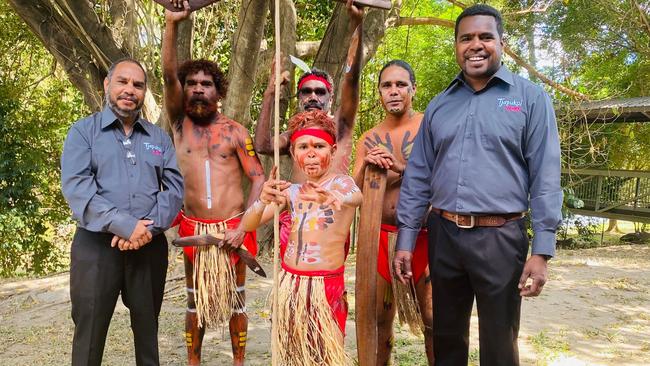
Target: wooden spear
{"x":276,"y":216}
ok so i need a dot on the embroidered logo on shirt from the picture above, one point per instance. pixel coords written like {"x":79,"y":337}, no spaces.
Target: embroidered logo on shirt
{"x":155,"y":149}
{"x":509,"y":104}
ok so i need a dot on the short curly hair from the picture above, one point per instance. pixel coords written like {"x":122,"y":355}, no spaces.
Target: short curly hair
{"x":315,"y":118}
{"x":191,"y":67}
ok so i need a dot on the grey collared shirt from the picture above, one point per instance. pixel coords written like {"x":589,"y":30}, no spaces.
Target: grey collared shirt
{"x":111,"y":180}
{"x":488,"y":152}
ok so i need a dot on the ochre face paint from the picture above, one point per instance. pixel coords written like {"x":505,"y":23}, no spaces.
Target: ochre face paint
{"x":313,"y":155}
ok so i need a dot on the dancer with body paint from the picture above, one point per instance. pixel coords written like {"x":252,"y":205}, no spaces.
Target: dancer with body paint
{"x":388,"y":146}
{"x":315,"y":92}
{"x":311,"y":294}
{"x":213,"y":153}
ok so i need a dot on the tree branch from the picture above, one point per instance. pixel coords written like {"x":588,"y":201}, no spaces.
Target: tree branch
{"x":531,"y":9}
{"x":407,"y":21}
{"x":643,"y":17}
{"x":47,"y":24}
{"x":458,"y":4}
{"x":243,"y":60}
{"x":521,"y":62}
{"x":543,"y":77}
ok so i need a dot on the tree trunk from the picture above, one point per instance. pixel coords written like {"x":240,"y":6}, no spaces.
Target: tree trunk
{"x":244,"y":59}
{"x":67,"y":49}
{"x":287,"y":47}
{"x":83,"y":45}
{"x":613,"y":226}
{"x":333,"y":48}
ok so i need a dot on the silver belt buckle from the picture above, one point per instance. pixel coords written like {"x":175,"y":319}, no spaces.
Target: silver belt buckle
{"x":472,"y":222}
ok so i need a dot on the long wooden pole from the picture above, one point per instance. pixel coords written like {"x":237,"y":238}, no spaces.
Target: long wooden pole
{"x":374,"y":186}
{"x":276,"y":216}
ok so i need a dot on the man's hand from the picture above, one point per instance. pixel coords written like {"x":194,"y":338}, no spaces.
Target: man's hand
{"x":402,"y":266}
{"x":273,"y":190}
{"x":177,"y":16}
{"x":284,"y":77}
{"x":233,"y":239}
{"x":124,"y":244}
{"x":383,"y":159}
{"x":141,"y":234}
{"x":535,"y":269}
{"x":355,"y":12}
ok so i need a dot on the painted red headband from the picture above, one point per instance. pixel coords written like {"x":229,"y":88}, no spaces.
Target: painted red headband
{"x":322,"y":134}
{"x":316,"y":77}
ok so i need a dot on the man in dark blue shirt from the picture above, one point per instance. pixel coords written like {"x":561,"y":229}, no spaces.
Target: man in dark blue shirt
{"x":487,"y":149}
{"x":119,"y":176}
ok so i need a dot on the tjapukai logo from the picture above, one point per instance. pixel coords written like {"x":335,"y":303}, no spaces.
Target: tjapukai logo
{"x":155,"y":149}
{"x":509,"y":104}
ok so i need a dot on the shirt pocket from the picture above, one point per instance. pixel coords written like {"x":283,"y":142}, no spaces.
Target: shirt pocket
{"x":153,"y":167}
{"x":503,"y":129}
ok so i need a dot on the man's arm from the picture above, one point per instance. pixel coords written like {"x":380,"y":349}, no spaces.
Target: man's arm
{"x":173,"y":89}
{"x":263,"y":140}
{"x":350,"y":87}
{"x":170,"y":199}
{"x":542,"y":154}
{"x":79,"y":187}
{"x":414,"y":198}
{"x":251,"y":165}
{"x":273,"y":195}
{"x":359,"y":162}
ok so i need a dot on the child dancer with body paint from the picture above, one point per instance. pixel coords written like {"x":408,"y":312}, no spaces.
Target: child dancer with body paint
{"x":312,"y":298}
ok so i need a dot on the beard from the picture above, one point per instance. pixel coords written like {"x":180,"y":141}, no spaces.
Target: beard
{"x":200,"y":110}
{"x":124,"y":113}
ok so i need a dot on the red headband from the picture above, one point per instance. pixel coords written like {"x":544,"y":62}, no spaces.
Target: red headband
{"x":316,"y":132}
{"x":316,"y":77}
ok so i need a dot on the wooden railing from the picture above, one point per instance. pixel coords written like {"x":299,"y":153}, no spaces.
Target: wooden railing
{"x":620,"y":194}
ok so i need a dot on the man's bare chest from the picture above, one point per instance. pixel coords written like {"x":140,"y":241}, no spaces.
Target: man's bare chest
{"x":215,"y":142}
{"x":397,"y":142}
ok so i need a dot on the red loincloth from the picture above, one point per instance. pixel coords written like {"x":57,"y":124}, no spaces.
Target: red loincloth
{"x":334,"y":291}
{"x":187,"y":227}
{"x":420,"y":259}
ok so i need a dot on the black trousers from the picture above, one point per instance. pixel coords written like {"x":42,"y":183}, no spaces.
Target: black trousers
{"x":482,"y":262}
{"x":98,"y":274}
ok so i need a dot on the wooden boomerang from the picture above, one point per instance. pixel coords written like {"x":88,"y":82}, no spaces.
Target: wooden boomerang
{"x":198,"y":4}
{"x":207,"y":240}
{"x":194,"y":4}
{"x":380,"y":4}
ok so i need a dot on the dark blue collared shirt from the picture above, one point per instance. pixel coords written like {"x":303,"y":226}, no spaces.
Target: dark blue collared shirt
{"x":488,"y":152}
{"x":111,"y":180}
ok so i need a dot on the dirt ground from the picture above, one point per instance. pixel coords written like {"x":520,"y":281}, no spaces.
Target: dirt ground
{"x":595,"y":310}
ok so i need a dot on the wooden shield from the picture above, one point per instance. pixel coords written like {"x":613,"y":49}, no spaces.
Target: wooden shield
{"x":374,"y":186}
{"x":194,"y":4}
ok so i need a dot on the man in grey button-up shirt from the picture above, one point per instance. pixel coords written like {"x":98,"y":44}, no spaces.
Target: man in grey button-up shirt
{"x":119,"y":176}
{"x":487,"y":148}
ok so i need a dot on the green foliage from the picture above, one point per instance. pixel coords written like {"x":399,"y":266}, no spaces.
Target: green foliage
{"x":313,"y":17}
{"x":36,"y":106}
